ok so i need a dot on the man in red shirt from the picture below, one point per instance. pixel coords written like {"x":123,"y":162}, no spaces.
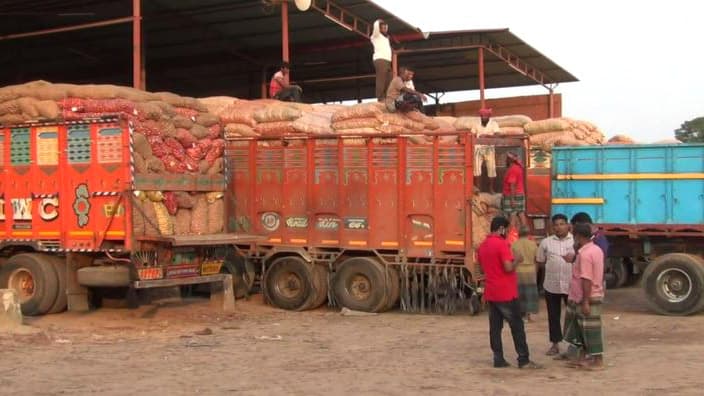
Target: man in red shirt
{"x":280,"y":87}
{"x":514,"y":193}
{"x":501,"y":292}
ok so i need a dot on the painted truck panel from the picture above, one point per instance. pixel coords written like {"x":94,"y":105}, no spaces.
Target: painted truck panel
{"x":630,"y":184}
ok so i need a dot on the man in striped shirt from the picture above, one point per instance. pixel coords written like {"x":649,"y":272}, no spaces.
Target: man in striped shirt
{"x":556,"y":253}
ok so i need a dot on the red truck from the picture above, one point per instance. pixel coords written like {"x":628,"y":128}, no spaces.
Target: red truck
{"x":363,"y":222}
{"x":67,"y":204}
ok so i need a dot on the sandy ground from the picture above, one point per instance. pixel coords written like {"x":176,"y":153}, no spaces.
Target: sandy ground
{"x":262,"y":351}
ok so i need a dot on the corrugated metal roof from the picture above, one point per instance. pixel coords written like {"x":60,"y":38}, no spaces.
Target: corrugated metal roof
{"x":211,"y":47}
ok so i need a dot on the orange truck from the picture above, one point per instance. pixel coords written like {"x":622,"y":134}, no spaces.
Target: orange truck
{"x":363,"y":222}
{"x":67,"y":200}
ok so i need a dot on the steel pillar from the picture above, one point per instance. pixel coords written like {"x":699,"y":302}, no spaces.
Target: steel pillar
{"x":137,"y":70}
{"x":480,"y":61}
{"x":284,"y":32}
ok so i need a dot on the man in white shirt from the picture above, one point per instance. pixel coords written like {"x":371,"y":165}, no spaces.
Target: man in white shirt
{"x":381,"y":58}
{"x":281,"y":88}
{"x":556,"y":253}
{"x":486,"y":126}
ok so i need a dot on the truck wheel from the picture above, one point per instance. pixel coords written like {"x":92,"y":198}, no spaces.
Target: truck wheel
{"x":320,"y":287}
{"x":104,"y":276}
{"x":359,"y":285}
{"x":394,"y":291}
{"x":615,"y":273}
{"x":61,"y":297}
{"x":289,"y":283}
{"x":242,"y":272}
{"x":674,"y":284}
{"x":34,"y":278}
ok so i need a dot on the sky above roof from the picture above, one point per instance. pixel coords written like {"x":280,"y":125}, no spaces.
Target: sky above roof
{"x":640,"y":63}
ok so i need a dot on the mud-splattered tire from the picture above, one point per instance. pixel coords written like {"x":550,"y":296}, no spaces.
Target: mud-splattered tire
{"x":359,"y":285}
{"x":288,"y":283}
{"x":34,"y":277}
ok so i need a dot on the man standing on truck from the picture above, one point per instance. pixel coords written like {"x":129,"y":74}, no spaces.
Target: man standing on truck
{"x":400,"y":97}
{"x":499,"y":266}
{"x":281,"y":88}
{"x":513,"y":202}
{"x":556,"y":253}
{"x":485,"y":154}
{"x":583,"y":328}
{"x":382,"y":58}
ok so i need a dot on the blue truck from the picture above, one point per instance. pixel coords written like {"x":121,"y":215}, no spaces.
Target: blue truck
{"x":649,"y":200}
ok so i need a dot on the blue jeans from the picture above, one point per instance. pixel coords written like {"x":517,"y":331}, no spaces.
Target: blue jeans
{"x":509,"y":311}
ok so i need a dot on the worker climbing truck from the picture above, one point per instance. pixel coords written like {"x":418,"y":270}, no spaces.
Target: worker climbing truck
{"x":73,"y":224}
{"x":366,"y":222}
{"x":649,"y":200}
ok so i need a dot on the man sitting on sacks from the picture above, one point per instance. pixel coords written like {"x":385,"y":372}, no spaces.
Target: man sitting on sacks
{"x":281,"y":88}
{"x":402,"y":97}
{"x":483,"y":153}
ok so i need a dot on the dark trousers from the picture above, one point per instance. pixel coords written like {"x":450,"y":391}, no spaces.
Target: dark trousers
{"x":383,"y":77}
{"x":291,"y":94}
{"x":510,"y":312}
{"x":409,"y":102}
{"x":554,"y":304}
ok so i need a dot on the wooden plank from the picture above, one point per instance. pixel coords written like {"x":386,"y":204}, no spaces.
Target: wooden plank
{"x":150,"y":284}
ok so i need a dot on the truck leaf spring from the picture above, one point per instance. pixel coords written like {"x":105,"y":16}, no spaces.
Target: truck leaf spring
{"x":436,"y":288}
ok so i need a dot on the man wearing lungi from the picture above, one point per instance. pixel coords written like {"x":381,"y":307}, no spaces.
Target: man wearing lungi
{"x":583,"y":328}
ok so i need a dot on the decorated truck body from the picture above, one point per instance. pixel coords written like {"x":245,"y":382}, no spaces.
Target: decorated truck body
{"x":70,"y":199}
{"x":649,"y":199}
{"x":364,"y":222}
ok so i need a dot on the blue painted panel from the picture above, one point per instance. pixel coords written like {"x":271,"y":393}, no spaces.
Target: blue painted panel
{"x":641,"y":201}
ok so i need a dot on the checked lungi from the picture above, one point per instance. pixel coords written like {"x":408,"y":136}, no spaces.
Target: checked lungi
{"x":519,"y":204}
{"x":582,"y":331}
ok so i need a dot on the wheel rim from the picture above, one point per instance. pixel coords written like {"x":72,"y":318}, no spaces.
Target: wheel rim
{"x":23,"y":282}
{"x":359,"y":287}
{"x":289,"y":285}
{"x":675,"y":284}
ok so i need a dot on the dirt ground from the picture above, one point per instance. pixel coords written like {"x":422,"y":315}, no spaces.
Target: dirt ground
{"x":261,"y":350}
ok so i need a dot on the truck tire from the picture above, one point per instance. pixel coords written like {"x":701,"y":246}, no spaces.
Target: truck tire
{"x":61,"y":297}
{"x":34,"y":277}
{"x":104,"y":276}
{"x":394,"y":288}
{"x":288,"y":283}
{"x":615,"y":273}
{"x":359,"y":285}
{"x":674,"y":284}
{"x":242,"y":272}
{"x":320,"y":287}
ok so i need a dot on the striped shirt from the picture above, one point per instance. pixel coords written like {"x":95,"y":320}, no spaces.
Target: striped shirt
{"x":558,"y":272}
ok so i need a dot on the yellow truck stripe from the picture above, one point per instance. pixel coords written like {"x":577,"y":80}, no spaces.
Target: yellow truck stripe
{"x":578,"y":201}
{"x":632,"y":176}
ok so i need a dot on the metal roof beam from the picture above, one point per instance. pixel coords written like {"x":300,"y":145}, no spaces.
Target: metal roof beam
{"x":519,"y":65}
{"x":343,"y":17}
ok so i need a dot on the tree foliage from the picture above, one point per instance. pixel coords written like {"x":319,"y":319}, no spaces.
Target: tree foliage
{"x":691,"y":131}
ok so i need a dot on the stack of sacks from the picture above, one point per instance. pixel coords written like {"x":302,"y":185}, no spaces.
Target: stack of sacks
{"x":509,"y":125}
{"x":178,"y":213}
{"x":545,"y":134}
{"x":620,"y":139}
{"x":485,"y":207}
{"x":243,"y":118}
{"x":512,"y":124}
{"x":172,"y":134}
